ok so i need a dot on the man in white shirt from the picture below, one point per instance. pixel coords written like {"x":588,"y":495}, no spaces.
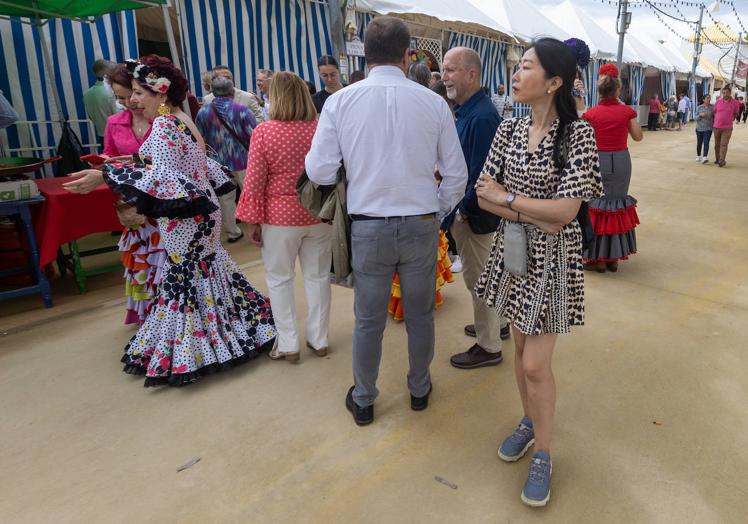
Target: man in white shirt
{"x":503,"y":103}
{"x":99,"y":100}
{"x":390,"y":132}
{"x":242,"y":97}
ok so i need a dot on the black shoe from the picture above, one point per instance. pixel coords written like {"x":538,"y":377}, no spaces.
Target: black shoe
{"x":505,"y":332}
{"x":470,"y":330}
{"x":236,"y":239}
{"x":476,"y":357}
{"x":421,"y":403}
{"x":361,"y":416}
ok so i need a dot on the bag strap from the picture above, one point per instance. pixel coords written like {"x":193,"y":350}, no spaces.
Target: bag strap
{"x":227,"y":127}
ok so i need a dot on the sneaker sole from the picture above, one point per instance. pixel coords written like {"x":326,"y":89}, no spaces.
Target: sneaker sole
{"x":535,"y":503}
{"x":507,"y":458}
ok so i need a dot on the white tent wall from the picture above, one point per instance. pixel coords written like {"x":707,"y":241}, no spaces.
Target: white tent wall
{"x":247,"y":35}
{"x":73,"y":47}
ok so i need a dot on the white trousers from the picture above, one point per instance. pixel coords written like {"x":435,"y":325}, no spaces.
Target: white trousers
{"x":228,"y":207}
{"x":281,"y":245}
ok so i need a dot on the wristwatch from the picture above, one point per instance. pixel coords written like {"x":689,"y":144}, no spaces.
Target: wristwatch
{"x":510,"y":199}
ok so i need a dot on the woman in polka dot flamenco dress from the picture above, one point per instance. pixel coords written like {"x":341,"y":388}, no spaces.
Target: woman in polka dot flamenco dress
{"x":206,"y":316}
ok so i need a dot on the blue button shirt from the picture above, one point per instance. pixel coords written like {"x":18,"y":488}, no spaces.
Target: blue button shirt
{"x":477,"y":122}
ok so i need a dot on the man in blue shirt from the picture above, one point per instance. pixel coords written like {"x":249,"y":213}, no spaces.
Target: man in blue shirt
{"x":471,"y":227}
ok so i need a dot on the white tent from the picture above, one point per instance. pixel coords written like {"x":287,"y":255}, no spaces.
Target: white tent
{"x":520,"y":17}
{"x":445,"y":10}
{"x":602,"y":43}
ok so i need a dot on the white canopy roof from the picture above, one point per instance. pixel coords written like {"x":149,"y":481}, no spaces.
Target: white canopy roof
{"x":520,"y":17}
{"x":602,"y":43}
{"x":445,"y":10}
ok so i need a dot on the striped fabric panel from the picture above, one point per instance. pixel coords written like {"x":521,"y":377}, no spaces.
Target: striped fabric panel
{"x":590,"y":76}
{"x":637,"y":83}
{"x":667,"y":82}
{"x":247,"y":35}
{"x":492,"y":54}
{"x":74,"y":46}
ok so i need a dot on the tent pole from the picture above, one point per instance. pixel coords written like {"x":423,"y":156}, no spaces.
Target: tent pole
{"x":170,"y":36}
{"x":624,"y":19}
{"x":48,"y":66}
{"x":735,"y":64}
{"x":173,"y":48}
{"x":697,"y":45}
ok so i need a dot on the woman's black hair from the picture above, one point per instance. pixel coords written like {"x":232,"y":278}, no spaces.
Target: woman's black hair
{"x":327,"y":60}
{"x":558,"y":60}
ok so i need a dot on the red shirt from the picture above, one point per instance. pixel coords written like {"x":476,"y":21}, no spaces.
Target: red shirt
{"x":276,"y":160}
{"x":610,"y":119}
{"x":654,"y":105}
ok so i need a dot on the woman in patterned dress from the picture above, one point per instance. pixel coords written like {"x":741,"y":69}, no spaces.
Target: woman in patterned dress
{"x":538,"y":172}
{"x":206,"y":316}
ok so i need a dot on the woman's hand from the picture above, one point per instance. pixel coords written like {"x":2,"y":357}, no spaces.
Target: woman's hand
{"x":87,"y":181}
{"x":119,"y":159}
{"x":254,"y":233}
{"x":579,"y":86}
{"x":489,"y":189}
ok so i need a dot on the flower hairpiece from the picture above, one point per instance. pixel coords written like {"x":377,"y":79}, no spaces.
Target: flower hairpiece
{"x":609,"y":70}
{"x":580,"y":50}
{"x":143,"y":73}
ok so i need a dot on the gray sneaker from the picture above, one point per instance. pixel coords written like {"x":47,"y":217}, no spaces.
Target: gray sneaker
{"x":537,"y":490}
{"x":516,"y":445}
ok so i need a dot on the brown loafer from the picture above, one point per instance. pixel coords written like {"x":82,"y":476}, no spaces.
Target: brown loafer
{"x":595,"y":266}
{"x":506,"y":332}
{"x":612,"y":266}
{"x":292,"y":357}
{"x":476,"y":357}
{"x":321,"y":352}
{"x":470,"y":330}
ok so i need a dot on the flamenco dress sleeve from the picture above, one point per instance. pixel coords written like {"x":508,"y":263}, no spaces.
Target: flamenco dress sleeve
{"x":157,"y":185}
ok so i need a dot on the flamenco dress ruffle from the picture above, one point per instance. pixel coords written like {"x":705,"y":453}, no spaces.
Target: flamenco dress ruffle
{"x":614,"y":222}
{"x":443,"y":276}
{"x":143,"y":257}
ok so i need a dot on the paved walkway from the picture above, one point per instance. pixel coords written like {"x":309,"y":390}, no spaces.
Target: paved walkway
{"x":651,"y":423}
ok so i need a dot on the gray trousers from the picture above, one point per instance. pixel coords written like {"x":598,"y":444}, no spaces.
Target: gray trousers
{"x":379,"y":248}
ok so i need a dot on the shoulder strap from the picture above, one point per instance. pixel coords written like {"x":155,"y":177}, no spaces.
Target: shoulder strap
{"x":226,"y":126}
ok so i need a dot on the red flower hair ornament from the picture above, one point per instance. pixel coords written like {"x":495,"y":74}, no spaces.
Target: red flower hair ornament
{"x":609,"y":70}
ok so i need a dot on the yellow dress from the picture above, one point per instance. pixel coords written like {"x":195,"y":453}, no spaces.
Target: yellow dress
{"x":443,"y":276}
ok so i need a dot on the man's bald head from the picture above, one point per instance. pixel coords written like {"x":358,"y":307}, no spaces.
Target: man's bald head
{"x":462,"y":74}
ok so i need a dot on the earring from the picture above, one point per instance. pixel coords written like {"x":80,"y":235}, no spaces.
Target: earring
{"x":548,"y":92}
{"x":163,"y":110}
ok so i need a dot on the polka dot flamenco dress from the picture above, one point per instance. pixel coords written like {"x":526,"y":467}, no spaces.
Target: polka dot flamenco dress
{"x":206,"y":316}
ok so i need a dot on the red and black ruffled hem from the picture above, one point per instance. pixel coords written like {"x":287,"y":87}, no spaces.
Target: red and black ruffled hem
{"x":185,"y":379}
{"x":613,"y":217}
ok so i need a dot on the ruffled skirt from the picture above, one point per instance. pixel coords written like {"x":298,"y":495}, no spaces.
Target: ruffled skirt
{"x":443,"y":276}
{"x":207,"y":317}
{"x":143,"y":257}
{"x":613,"y":217}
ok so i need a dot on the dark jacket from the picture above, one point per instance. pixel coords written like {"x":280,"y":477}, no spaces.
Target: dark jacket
{"x":477,"y":122}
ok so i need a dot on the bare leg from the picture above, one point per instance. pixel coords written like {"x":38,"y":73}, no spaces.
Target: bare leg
{"x":519,"y":372}
{"x":541,"y":386}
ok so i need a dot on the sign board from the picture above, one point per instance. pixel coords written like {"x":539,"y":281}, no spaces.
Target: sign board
{"x":355,"y":47}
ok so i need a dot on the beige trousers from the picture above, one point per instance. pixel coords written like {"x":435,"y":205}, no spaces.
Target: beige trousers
{"x":228,"y":207}
{"x":474,"y":251}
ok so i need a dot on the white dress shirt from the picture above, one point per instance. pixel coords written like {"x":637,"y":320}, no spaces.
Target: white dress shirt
{"x":389,"y":132}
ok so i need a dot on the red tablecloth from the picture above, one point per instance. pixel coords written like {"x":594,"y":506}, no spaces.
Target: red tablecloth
{"x":64,"y":216}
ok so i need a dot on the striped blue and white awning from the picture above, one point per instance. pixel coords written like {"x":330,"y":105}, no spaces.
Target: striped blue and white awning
{"x":492,"y":55}
{"x":247,"y":35}
{"x":74,"y":46}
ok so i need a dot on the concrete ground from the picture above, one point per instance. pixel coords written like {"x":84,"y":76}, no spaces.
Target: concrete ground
{"x":651,"y":421}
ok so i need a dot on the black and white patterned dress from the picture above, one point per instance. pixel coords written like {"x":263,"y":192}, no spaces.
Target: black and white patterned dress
{"x":550,"y":298}
{"x":206,"y":316}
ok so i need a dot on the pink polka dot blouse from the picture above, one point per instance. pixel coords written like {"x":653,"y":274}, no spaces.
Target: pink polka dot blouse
{"x":275,"y":162}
